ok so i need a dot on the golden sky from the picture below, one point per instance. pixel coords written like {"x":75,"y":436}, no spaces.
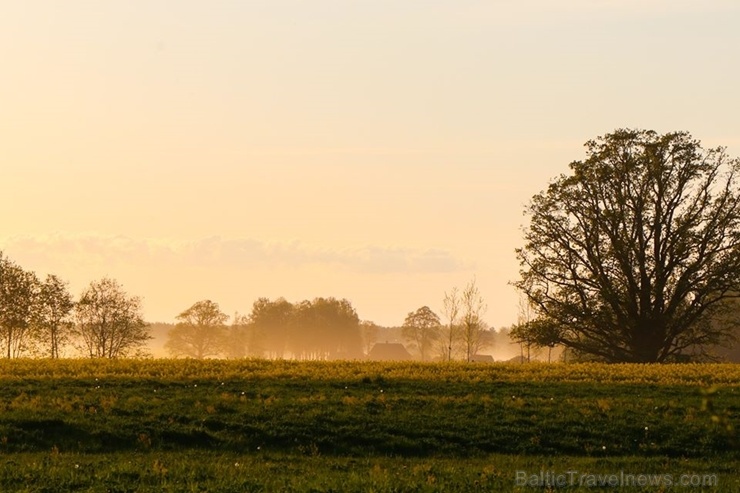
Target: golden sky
{"x":380,"y":151}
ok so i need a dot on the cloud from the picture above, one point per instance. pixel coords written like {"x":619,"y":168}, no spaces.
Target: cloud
{"x":218,"y":252}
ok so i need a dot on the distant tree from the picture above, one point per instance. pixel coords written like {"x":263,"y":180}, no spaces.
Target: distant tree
{"x":200,"y":332}
{"x":159,"y":334}
{"x":636,"y":251}
{"x":325,"y":328}
{"x":520,"y":333}
{"x":471,"y":320}
{"x":422,"y":329}
{"x":369,"y":332}
{"x":537,"y":333}
{"x":18,"y":293}
{"x":237,"y":339}
{"x":270,"y":322}
{"x":450,"y":332}
{"x":53,"y":314}
{"x":109,"y":323}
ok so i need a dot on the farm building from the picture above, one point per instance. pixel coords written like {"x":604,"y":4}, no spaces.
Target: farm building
{"x":388,"y":351}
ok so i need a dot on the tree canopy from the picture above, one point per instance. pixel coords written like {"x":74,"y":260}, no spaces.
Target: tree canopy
{"x":633,"y":256}
{"x":200,"y":331}
{"x":421,"y":327}
{"x":109,"y":322}
{"x":18,"y":298}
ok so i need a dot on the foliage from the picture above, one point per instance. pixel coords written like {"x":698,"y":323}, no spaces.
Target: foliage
{"x":52,"y":314}
{"x":238,"y":337}
{"x":109,"y":322}
{"x":200,"y":332}
{"x":325,"y":328}
{"x":18,"y":292}
{"x":369,"y":332}
{"x":422,"y":328}
{"x":539,"y":332}
{"x":634,"y":254}
{"x":270,"y":322}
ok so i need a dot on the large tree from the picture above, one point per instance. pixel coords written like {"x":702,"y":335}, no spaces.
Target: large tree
{"x":200,"y":332}
{"x":422,"y":327}
{"x":633,"y":255}
{"x":109,"y":321}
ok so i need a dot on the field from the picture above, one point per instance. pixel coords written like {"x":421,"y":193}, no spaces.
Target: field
{"x":255,"y":425}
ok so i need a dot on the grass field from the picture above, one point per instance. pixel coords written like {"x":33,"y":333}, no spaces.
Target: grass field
{"x":253,"y":425}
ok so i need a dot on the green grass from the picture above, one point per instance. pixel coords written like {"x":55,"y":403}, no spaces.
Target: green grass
{"x":286,"y":426}
{"x":225,"y":472}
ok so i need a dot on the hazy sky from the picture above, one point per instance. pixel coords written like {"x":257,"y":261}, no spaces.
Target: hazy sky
{"x":380,"y":151}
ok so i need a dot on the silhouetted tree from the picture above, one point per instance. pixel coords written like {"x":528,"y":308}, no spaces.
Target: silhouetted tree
{"x":109,"y":323}
{"x":200,"y":332}
{"x":526,"y":312}
{"x":18,"y":293}
{"x":633,"y":254}
{"x":270,"y":322}
{"x":450,"y":332}
{"x":369,"y":333}
{"x":538,"y":333}
{"x":325,"y":328}
{"x":238,"y":337}
{"x":422,"y":329}
{"x":471,"y":320}
{"x":53,"y":314}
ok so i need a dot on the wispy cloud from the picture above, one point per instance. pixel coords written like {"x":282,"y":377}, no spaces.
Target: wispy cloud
{"x":221,"y":252}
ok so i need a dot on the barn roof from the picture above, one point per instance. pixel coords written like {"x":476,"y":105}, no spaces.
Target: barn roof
{"x":388,"y":351}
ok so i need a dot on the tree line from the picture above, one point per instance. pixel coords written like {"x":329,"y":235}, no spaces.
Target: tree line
{"x":326,"y":328}
{"x":40,"y":317}
{"x":632,"y":257}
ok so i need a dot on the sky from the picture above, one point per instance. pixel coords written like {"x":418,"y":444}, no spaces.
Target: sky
{"x":379,"y":151}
